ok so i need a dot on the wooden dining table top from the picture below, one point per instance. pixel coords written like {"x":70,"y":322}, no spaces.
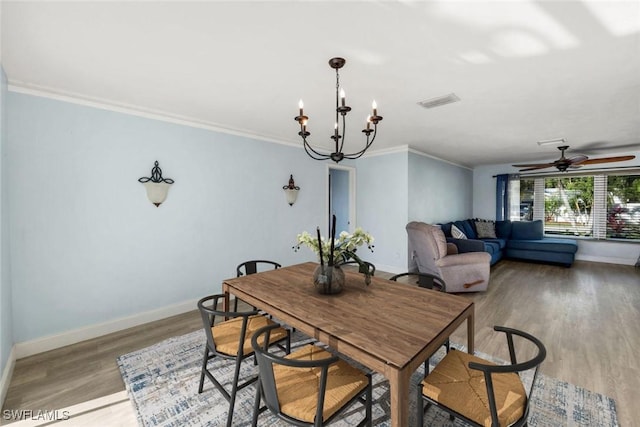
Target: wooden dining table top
{"x":384,"y":323}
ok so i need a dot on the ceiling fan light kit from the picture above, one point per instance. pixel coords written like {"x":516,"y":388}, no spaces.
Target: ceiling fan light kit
{"x":563,"y":163}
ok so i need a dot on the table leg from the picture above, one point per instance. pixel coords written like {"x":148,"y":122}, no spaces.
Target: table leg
{"x":471,"y":331}
{"x":226,"y":305}
{"x":399,"y":394}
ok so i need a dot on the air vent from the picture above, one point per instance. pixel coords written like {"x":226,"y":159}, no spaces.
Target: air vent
{"x":441,"y":100}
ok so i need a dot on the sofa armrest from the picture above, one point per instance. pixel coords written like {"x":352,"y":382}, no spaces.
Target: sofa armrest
{"x":467,"y":245}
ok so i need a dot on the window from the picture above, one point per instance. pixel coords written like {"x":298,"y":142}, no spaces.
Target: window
{"x":598,"y":206}
{"x":623,"y":206}
{"x":568,"y":204}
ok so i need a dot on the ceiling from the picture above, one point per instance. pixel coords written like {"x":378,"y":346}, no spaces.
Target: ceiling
{"x":524,"y":70}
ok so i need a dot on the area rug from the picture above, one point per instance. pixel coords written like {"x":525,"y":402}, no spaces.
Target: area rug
{"x":162,"y":383}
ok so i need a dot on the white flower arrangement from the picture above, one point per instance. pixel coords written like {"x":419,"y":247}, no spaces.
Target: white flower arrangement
{"x":344,"y":247}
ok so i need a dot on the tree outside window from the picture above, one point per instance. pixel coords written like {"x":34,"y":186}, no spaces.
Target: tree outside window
{"x":623,"y":206}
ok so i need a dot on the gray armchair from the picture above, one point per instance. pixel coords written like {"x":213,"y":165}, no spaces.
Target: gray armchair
{"x":429,"y":253}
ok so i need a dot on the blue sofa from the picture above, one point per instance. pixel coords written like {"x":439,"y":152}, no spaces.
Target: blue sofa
{"x":513,"y":239}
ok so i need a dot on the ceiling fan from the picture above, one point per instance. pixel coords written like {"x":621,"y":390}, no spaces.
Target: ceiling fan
{"x":563,"y":163}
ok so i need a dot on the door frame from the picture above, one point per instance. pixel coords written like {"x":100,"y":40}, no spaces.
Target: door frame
{"x":352,"y":194}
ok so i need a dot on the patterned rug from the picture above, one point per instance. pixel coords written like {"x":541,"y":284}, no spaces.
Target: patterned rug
{"x":162,"y":383}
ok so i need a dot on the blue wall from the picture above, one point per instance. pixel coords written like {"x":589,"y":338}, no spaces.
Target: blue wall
{"x":87,"y":245}
{"x":6,"y":317}
{"x":382,"y":208}
{"x":394,"y":189}
{"x":438,"y":191}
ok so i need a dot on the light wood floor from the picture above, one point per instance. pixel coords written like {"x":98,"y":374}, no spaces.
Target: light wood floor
{"x":588,"y":316}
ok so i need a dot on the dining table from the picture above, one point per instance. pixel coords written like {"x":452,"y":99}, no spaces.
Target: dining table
{"x":387,"y":326}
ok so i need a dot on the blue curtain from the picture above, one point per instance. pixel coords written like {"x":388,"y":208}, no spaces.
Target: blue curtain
{"x":502,"y":197}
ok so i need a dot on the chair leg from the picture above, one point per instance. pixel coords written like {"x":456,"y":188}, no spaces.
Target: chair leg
{"x":234,"y":390}
{"x":420,"y":406}
{"x":256,"y":406}
{"x":204,"y":368}
{"x":369,"y":402}
{"x":289,"y":341}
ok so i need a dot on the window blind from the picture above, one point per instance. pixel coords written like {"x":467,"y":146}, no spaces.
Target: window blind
{"x":538,"y":199}
{"x":599,"y":209}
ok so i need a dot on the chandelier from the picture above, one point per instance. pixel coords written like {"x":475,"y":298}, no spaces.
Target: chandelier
{"x":339,"y":131}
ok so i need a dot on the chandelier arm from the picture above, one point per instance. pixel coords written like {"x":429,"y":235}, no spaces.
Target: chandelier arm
{"x":308,"y":147}
{"x":359,"y":154}
{"x":321,"y":156}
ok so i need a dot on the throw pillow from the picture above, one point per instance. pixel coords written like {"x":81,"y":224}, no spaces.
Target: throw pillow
{"x":456,"y":233}
{"x":486,"y":229}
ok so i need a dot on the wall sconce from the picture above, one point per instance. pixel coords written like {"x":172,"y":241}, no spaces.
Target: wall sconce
{"x":291,"y":191}
{"x":157,"y":186}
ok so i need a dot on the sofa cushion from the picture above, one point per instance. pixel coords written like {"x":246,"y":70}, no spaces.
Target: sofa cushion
{"x":503,"y":229}
{"x":491,"y":247}
{"x":527,"y":230}
{"x":545,"y":245}
{"x":500,"y":242}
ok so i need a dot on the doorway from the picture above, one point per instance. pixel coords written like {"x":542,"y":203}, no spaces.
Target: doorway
{"x":341,"y":198}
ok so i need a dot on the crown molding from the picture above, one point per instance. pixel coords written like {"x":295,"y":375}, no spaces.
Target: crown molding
{"x":420,"y":153}
{"x":135,"y":110}
{"x":408,"y":149}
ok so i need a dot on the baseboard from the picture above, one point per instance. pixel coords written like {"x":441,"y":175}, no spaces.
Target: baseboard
{"x":607,"y":260}
{"x":7,"y":373}
{"x":39,"y":345}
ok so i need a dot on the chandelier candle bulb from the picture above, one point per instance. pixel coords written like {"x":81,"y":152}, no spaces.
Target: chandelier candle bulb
{"x":375,"y":108}
{"x":342,"y":96}
{"x":368,"y":121}
{"x":300,"y":105}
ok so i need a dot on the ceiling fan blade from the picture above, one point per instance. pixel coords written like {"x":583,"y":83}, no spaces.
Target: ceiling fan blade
{"x":607,"y":160}
{"x":580,"y":159}
{"x":534,"y":165}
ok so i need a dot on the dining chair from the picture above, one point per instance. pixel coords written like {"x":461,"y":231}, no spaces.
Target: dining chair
{"x":252,"y":267}
{"x":425,"y":280}
{"x":480,"y":392}
{"x":428,"y":281}
{"x":231,"y":339}
{"x":370,"y":268}
{"x":309,"y":387}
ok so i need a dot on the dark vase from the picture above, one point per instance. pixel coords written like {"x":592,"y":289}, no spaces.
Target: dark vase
{"x":328,"y":279}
